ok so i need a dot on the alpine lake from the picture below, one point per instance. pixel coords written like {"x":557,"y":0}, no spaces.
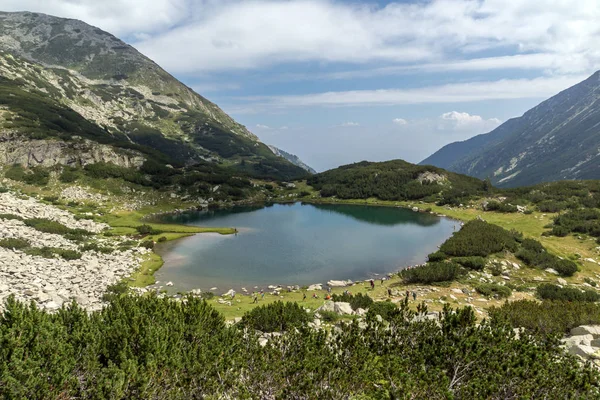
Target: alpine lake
{"x":297,"y":244}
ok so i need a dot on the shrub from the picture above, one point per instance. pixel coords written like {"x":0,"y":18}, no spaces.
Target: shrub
{"x":493,"y":205}
{"x":275,"y":317}
{"x":534,"y":254}
{"x":493,"y":289}
{"x":148,"y":244}
{"x":49,"y":226}
{"x":356,"y":301}
{"x":437,"y":256}
{"x":548,"y":291}
{"x":10,"y":216}
{"x":474,"y":263}
{"x":386,"y":309}
{"x":547,"y":317}
{"x":329,"y":316}
{"x":32,"y":176}
{"x":68,"y":175}
{"x":147,"y":230}
{"x":14,"y":243}
{"x":478,"y":238}
{"x":162,"y":239}
{"x":432,"y":272}
{"x":97,"y":248}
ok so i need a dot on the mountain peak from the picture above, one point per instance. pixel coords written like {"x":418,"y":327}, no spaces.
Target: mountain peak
{"x":557,"y":139}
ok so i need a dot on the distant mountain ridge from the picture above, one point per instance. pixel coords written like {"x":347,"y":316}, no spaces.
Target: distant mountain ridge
{"x":294,"y":159}
{"x":558,"y":139}
{"x":122,"y":92}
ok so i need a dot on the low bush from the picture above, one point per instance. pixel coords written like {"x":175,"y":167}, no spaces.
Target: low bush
{"x":275,"y":317}
{"x":10,"y":216}
{"x":68,"y":175}
{"x":49,"y":226}
{"x":534,"y":254}
{"x":356,"y":301}
{"x":32,"y":176}
{"x":437,"y":256}
{"x":547,"y":317}
{"x":500,"y":207}
{"x":329,"y":316}
{"x":162,"y":239}
{"x":148,"y":244}
{"x":385,"y":309}
{"x":432,"y":272}
{"x":548,"y":291}
{"x":478,"y":238}
{"x":493,"y":290}
{"x":14,"y":243}
{"x":147,"y":230}
{"x":474,"y":263}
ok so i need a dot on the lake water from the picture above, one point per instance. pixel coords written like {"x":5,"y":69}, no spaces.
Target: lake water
{"x":298,"y":244}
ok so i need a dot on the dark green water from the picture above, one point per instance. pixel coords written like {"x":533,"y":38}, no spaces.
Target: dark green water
{"x":298,"y":244}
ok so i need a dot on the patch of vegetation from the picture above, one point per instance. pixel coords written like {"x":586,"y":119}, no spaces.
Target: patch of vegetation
{"x":14,"y":243}
{"x":51,"y":252}
{"x":385,"y":309}
{"x":32,"y":176}
{"x":479,"y":238}
{"x":148,"y":244}
{"x":548,"y":291}
{"x":97,"y":248}
{"x":547,"y":317}
{"x":432,"y":272}
{"x":356,"y":301}
{"x":49,"y":226}
{"x":585,"y":221}
{"x":276,"y":317}
{"x":499,"y":206}
{"x":394,"y":180}
{"x":493,"y":290}
{"x":147,"y":230}
{"x":534,"y":254}
{"x":11,"y":217}
{"x":186,"y":350}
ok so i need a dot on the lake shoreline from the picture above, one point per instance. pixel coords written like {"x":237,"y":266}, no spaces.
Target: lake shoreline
{"x":272,"y":284}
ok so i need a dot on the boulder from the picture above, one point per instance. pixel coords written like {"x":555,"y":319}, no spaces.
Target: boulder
{"x":341,"y":307}
{"x":316,"y":286}
{"x":561,"y":281}
{"x":593,"y":330}
{"x":339,"y":283}
{"x":360,"y":311}
{"x":578,"y":340}
{"x":551,"y":271}
{"x":582,"y":350}
{"x":327,"y":306}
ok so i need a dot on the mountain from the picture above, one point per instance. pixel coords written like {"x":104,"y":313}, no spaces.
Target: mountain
{"x":118,"y":97}
{"x":558,"y":139}
{"x":294,"y":159}
{"x":396,"y":180}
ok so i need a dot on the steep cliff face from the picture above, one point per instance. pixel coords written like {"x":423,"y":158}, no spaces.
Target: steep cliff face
{"x":121,"y":92}
{"x":51,"y":152}
{"x":558,"y":139}
{"x":294,"y":159}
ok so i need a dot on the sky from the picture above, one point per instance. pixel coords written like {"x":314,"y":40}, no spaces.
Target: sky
{"x":336,"y":82}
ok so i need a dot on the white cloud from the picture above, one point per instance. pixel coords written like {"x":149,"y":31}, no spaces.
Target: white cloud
{"x":350,"y":123}
{"x":208,"y":35}
{"x":451,"y":93}
{"x":455,"y":120}
{"x":138,"y":18}
{"x":239,"y":34}
{"x":261,"y":126}
{"x":399,"y":121}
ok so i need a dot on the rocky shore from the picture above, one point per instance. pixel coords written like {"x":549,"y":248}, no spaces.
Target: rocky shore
{"x":50,"y":282}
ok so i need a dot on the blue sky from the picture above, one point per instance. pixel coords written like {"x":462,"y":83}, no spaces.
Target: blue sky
{"x":341,"y":81}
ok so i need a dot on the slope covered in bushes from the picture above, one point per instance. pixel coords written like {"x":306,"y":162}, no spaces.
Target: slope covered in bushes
{"x":146,"y":347}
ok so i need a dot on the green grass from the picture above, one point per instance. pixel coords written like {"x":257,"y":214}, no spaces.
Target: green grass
{"x":144,"y":276}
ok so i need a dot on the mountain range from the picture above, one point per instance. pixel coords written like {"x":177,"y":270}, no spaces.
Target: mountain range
{"x":64,"y":81}
{"x":556,"y":140}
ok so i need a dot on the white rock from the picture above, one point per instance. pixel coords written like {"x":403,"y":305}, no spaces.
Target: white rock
{"x":593,"y":330}
{"x":582,"y":350}
{"x":561,"y":281}
{"x":343,"y":308}
{"x":575,"y":340}
{"x":169,"y":284}
{"x":316,"y":286}
{"x":551,"y":271}
{"x":339,"y":283}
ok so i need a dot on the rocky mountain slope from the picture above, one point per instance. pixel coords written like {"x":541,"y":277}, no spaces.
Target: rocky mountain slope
{"x":294,"y":159}
{"x":106,"y":91}
{"x":558,"y":139}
